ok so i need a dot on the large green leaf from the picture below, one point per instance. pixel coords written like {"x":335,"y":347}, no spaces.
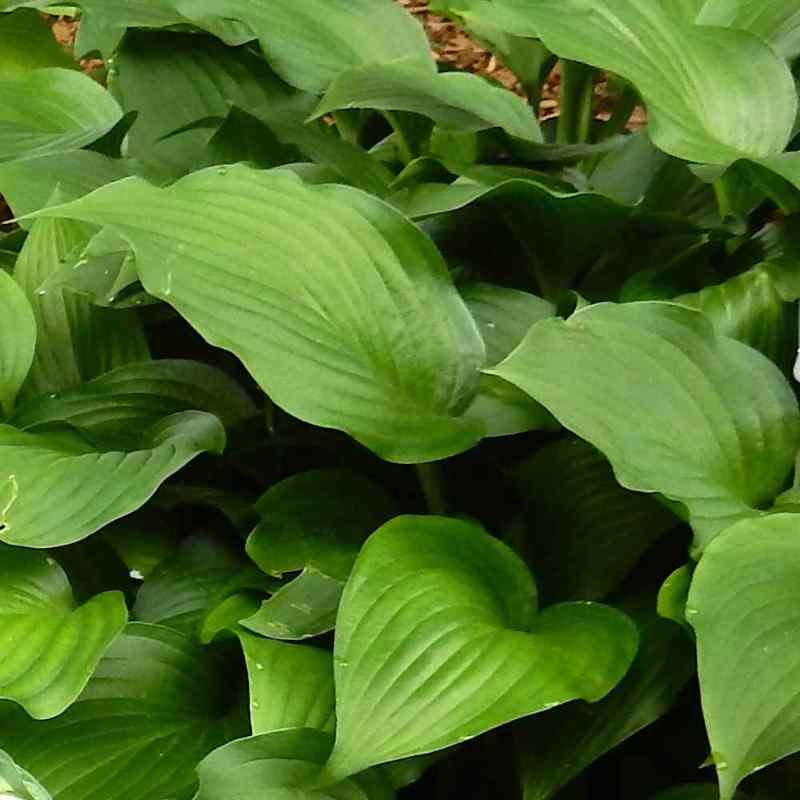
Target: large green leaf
{"x":49,"y":110}
{"x":454,"y":101}
{"x":17,"y":341}
{"x":583,"y":533}
{"x":26,"y":43}
{"x":27,"y":184}
{"x":291,"y":685}
{"x":61,"y":489}
{"x":776,"y":21}
{"x":713,"y":94}
{"x":76,"y":340}
{"x":315,"y":522}
{"x":156,"y":705}
{"x":283,"y":764}
{"x":503,"y":317}
{"x":309,"y":44}
{"x":438,"y":640}
{"x":186,"y":586}
{"x":203,"y":97}
{"x":18,"y":784}
{"x":356,"y":299}
{"x":172,"y":80}
{"x":754,"y":308}
{"x":744,"y":605}
{"x":554,"y":748}
{"x":49,"y":647}
{"x":561,"y":233}
{"x":676,"y":409}
{"x":117,"y":406}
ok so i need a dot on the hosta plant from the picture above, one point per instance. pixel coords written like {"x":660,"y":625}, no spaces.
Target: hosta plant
{"x":364,"y":434}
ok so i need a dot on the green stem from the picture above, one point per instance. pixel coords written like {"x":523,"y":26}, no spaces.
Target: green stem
{"x":577,"y":103}
{"x":432,"y":482}
{"x":404,"y":147}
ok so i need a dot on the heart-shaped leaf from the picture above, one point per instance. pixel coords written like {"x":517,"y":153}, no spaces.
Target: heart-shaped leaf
{"x":709,"y":450}
{"x":397,"y":378}
{"x":744,"y":605}
{"x":776,"y":21}
{"x":455,"y":101}
{"x":49,"y":110}
{"x":280,"y":765}
{"x":76,"y":340}
{"x":291,"y":685}
{"x":438,"y":640}
{"x":62,"y":489}
{"x":18,"y":784}
{"x":17,"y":341}
{"x":155,"y":707}
{"x":554,"y":748}
{"x":117,"y":406}
{"x":49,"y":647}
{"x":713,"y":94}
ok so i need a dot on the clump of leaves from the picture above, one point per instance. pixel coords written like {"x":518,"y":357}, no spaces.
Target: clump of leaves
{"x":362,"y":437}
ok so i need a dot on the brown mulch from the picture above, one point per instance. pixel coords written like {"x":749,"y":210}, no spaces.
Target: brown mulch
{"x":452,"y":45}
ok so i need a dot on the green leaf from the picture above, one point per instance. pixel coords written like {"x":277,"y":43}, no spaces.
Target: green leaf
{"x":776,"y":21}
{"x":117,"y":406}
{"x":438,"y":640}
{"x":455,"y":101}
{"x":291,"y":685}
{"x":63,"y":489}
{"x":753,"y":308}
{"x":188,"y":584}
{"x":503,"y":317}
{"x":397,"y":378}
{"x":673,"y":595}
{"x":50,"y":110}
{"x":17,"y":341}
{"x":312,"y":43}
{"x":744,"y":605}
{"x":28,"y":183}
{"x":49,"y":647}
{"x":190,"y":91}
{"x":561,"y":233}
{"x":583,"y":532}
{"x":611,"y":371}
{"x":278,"y":765}
{"x":713,"y":95}
{"x":76,"y":341}
{"x":304,"y":607}
{"x":171,"y":80}
{"x":156,"y":705}
{"x":15,"y":779}
{"x":554,"y":748}
{"x":315,"y":522}
{"x":319,"y":519}
{"x":27,"y":43}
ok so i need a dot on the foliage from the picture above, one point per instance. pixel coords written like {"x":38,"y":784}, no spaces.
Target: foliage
{"x":362,"y":436}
